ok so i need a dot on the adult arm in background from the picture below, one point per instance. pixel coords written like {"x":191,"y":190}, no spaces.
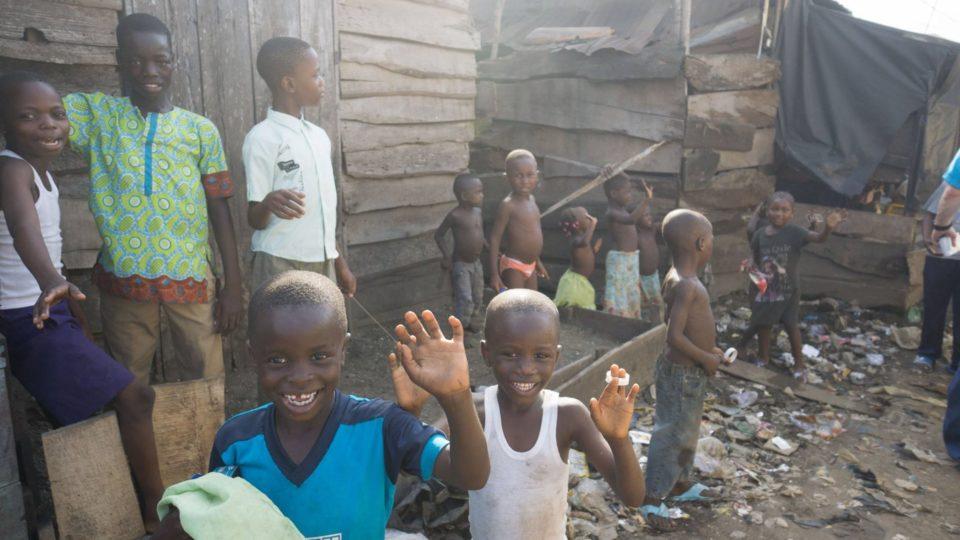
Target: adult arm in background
{"x":946,"y":210}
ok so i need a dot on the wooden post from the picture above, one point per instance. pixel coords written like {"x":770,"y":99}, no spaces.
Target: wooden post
{"x":685,"y":13}
{"x":90,"y":481}
{"x":12,"y":519}
{"x":186,"y":417}
{"x":497,"y":24}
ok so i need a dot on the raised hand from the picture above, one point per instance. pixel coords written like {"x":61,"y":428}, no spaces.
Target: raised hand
{"x":433,"y":362}
{"x":835,"y":218}
{"x":50,"y":296}
{"x":647,"y":189}
{"x":410,"y":397}
{"x":613,"y":411}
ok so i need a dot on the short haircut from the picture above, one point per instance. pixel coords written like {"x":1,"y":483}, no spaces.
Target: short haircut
{"x":9,"y":82}
{"x":518,"y":154}
{"x":461,"y":182}
{"x":781,"y":196}
{"x":682,"y":226}
{"x":297,"y":288}
{"x":278,"y":57}
{"x":140,"y":22}
{"x":615,"y":183}
{"x":517,"y":301}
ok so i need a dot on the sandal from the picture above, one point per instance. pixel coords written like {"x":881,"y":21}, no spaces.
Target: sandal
{"x":923,"y":364}
{"x":661,"y":512}
{"x":693,"y":494}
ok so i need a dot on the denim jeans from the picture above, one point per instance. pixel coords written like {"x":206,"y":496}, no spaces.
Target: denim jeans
{"x":941,"y":284}
{"x":467,"y":281}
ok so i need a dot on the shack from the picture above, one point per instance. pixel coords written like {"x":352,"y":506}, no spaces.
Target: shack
{"x":582,"y":84}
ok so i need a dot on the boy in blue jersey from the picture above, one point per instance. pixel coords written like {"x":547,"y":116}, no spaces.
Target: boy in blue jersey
{"x":330,"y":461}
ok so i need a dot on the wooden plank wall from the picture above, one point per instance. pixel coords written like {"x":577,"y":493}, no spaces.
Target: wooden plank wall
{"x":408,"y":85}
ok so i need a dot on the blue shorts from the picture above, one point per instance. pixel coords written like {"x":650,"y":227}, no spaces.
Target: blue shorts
{"x":64,"y":371}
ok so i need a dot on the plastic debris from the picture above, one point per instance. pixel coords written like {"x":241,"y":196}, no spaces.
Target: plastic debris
{"x":744,"y":398}
{"x":907,"y":337}
{"x":781,"y":446}
{"x":810,"y":351}
{"x":875,"y":359}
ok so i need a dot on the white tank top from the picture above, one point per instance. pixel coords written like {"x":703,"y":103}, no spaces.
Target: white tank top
{"x":526,"y":494}
{"x":18,"y":287}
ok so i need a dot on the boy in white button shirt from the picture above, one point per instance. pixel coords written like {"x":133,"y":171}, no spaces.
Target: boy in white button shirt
{"x":291,"y":193}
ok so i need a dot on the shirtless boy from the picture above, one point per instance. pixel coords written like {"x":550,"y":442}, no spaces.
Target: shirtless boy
{"x":691,"y":357}
{"x":466,"y":270}
{"x":651,"y":303}
{"x":621,"y":295}
{"x":519,"y":219}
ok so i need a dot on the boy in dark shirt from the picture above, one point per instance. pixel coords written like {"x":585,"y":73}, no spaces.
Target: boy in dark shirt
{"x":466,"y":270}
{"x":776,"y":250}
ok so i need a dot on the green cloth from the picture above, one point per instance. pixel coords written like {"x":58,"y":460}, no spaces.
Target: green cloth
{"x":575,"y":290}
{"x":216,"y":506}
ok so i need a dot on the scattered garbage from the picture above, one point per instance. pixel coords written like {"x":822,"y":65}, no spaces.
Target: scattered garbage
{"x":907,"y":337}
{"x":710,"y":459}
{"x":912,"y":450}
{"x":810,"y":351}
{"x":781,"y":446}
{"x":875,"y":359}
{"x":744,"y":398}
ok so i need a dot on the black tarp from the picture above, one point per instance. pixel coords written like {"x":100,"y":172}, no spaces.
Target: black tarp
{"x":847,"y":86}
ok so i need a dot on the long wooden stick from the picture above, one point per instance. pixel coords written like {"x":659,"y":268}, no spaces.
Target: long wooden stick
{"x":600,"y":179}
{"x":497,"y":23}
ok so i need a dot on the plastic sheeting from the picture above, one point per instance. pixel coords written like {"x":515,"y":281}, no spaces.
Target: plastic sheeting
{"x":848,"y":85}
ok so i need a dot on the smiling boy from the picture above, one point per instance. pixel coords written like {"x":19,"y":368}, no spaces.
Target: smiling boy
{"x":158,"y":183}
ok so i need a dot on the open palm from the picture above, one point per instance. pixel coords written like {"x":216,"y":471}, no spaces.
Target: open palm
{"x":613,"y":411}
{"x":410,"y":397}
{"x":433,"y":362}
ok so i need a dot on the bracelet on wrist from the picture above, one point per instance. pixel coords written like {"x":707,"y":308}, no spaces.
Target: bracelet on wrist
{"x":942,"y":227}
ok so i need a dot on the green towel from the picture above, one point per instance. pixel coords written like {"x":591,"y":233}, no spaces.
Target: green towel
{"x":216,"y":506}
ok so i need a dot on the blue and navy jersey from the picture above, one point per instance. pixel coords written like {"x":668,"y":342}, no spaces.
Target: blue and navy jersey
{"x":952,"y":174}
{"x":344,"y":487}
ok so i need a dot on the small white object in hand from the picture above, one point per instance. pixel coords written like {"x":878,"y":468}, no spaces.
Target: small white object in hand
{"x":730,"y":356}
{"x":625,"y":380}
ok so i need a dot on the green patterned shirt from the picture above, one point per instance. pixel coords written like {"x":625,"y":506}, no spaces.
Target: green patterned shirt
{"x":149,"y":178}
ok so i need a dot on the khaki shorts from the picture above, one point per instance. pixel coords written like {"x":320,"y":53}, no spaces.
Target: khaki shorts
{"x":132,"y":333}
{"x":264,"y":266}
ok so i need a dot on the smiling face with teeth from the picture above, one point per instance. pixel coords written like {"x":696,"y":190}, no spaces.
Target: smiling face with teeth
{"x":299,"y":351}
{"x":146,"y":67}
{"x":34,"y":121}
{"x":522,"y":348}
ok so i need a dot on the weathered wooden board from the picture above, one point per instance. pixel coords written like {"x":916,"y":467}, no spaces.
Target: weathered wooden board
{"x":546,"y":35}
{"x":729,"y":250}
{"x":865,"y":256}
{"x":57,"y":53}
{"x":408,"y":160}
{"x":80,"y":235}
{"x":638,"y":356}
{"x":360,"y":136}
{"x":738,"y":189}
{"x":371,"y":260}
{"x":59,"y":23}
{"x":662,"y":62}
{"x":67,"y":79}
{"x":414,"y":59}
{"x":389,"y":295}
{"x":269,"y":19}
{"x":12,"y":516}
{"x":406,"y":109}
{"x":463,"y":6}
{"x":715,"y":135}
{"x":732,"y":29}
{"x":699,"y":167}
{"x":916,"y":259}
{"x":757,"y":108}
{"x":585,"y":146}
{"x":115,"y":5}
{"x":760,"y":155}
{"x":780,"y":381}
{"x":821,"y":276}
{"x":645,"y":109}
{"x":364,"y":80}
{"x":408,"y":21}
{"x":866,"y":225}
{"x":186,"y":417}
{"x":90,"y":480}
{"x":719,"y":72}
{"x":361,"y":195}
{"x":394,"y":223}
